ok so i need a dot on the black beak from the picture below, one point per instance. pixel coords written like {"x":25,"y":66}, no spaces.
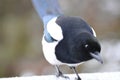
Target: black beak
{"x":96,"y":55}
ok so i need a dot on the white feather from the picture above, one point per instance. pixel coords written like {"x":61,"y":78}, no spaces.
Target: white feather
{"x":54,"y":29}
{"x":49,"y":48}
{"x":94,"y":33}
{"x":49,"y":52}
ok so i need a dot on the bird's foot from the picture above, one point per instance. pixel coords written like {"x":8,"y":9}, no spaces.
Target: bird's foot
{"x":60,"y":74}
{"x":78,"y":78}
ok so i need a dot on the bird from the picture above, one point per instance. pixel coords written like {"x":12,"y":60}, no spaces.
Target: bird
{"x":67,"y":40}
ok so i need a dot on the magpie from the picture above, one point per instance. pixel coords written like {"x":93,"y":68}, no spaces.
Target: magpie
{"x":67,"y":40}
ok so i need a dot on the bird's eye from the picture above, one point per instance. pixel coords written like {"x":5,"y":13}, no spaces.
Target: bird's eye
{"x":86,"y":46}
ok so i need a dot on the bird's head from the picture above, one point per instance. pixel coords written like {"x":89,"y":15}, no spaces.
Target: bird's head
{"x":93,"y":48}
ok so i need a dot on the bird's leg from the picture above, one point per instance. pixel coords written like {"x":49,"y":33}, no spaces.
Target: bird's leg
{"x":59,"y":73}
{"x":74,"y":69}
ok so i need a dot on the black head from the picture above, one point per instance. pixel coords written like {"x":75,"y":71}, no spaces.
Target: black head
{"x":91,"y":46}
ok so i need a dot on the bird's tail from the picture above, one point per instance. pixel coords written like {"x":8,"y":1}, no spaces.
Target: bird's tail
{"x":47,"y":8}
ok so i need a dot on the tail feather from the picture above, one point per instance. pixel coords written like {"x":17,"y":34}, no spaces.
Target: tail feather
{"x":47,"y":8}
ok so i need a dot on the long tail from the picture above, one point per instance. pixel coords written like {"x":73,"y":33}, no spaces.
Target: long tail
{"x":47,"y":8}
